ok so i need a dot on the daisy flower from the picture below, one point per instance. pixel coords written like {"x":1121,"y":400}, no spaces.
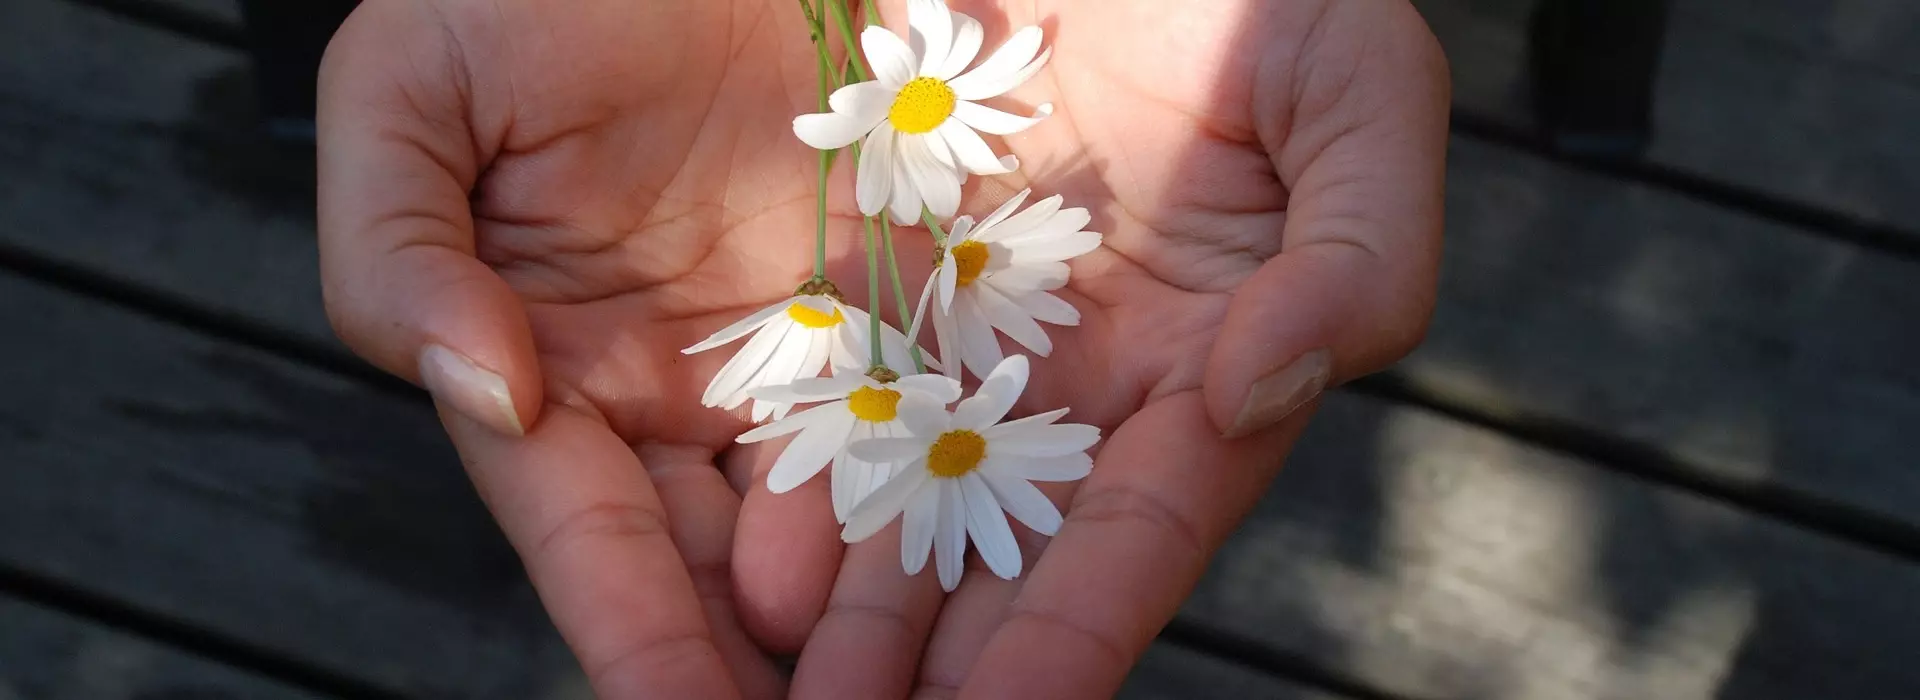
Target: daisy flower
{"x":918,"y":115}
{"x":792,"y":339}
{"x":998,"y":275}
{"x":960,"y":469}
{"x":861,"y":408}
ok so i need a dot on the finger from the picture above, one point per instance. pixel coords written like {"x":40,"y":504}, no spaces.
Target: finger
{"x":577,"y":505}
{"x":786,"y":553}
{"x":868,"y":643}
{"x":701,"y":509}
{"x":1164,"y":493}
{"x":975,"y":610}
{"x":396,"y":163}
{"x":1362,"y":152}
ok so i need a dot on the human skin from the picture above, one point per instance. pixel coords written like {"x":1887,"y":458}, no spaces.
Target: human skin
{"x":530,"y":207}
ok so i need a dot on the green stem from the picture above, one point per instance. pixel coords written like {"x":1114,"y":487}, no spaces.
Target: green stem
{"x":826,"y":157}
{"x":848,"y":36}
{"x":900,"y":292}
{"x":873,"y":294}
{"x":939,"y":236}
{"x":873,"y":16}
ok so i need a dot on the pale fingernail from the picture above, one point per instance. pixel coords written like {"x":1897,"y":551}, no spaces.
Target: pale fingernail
{"x":475,"y":392}
{"x":1279,"y":394}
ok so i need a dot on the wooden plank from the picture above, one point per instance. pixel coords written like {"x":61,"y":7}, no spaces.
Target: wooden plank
{"x":127,"y":151}
{"x":1428,"y":559}
{"x":1168,"y":672}
{"x":306,"y":514}
{"x":48,"y":655}
{"x":1811,"y":102}
{"x":1759,"y":356}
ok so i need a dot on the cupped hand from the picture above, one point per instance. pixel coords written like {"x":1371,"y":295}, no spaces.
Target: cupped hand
{"x":529,"y":208}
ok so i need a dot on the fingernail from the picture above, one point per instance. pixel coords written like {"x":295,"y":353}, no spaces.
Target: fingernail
{"x":475,"y":392}
{"x":1281,"y":393}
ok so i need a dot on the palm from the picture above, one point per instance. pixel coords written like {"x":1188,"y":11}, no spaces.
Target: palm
{"x":646,"y":189}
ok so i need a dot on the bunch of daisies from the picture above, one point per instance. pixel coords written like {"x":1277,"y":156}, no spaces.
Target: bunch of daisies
{"x":910,"y":115}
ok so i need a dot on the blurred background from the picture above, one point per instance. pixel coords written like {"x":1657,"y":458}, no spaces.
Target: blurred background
{"x":1657,"y":444}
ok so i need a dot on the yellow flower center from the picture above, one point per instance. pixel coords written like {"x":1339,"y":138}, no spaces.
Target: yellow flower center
{"x":969,"y":260}
{"x":807,"y":316}
{"x":956,"y":453}
{"x":922,"y":105}
{"x":874,"y":405}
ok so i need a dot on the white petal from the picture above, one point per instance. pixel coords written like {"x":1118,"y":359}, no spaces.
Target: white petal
{"x":782,"y":368}
{"x":831,"y":130}
{"x":1017,"y":53}
{"x":864,"y":101}
{"x":938,"y":185}
{"x":916,"y":536}
{"x":995,"y":397}
{"x":937,"y":147}
{"x":842,"y":478}
{"x":1073,"y":467}
{"x":931,"y":25}
{"x":809,"y":390}
{"x":875,"y":511}
{"x":950,"y":536}
{"x":985,"y":85}
{"x":748,"y":362}
{"x":989,"y":528}
{"x":1063,"y":222}
{"x":967,"y":34}
{"x":1047,"y":441}
{"x":893,"y":449}
{"x":1062,"y":247}
{"x":959,"y":230}
{"x":920,"y":309}
{"x":1023,"y":501}
{"x":993,"y":121}
{"x":942,"y":389}
{"x":874,"y":182}
{"x":923,"y":419}
{"x":979,"y":347}
{"x":1012,"y":320}
{"x":1024,"y":221}
{"x":739,"y":328}
{"x":1034,"y":277}
{"x":1033,"y":421}
{"x":946,"y":330}
{"x":1006,"y":210}
{"x":893,"y":348}
{"x":949,"y":278}
{"x":1043,"y":306}
{"x":892,"y":61}
{"x":810,"y":451}
{"x":904,"y":206}
{"x":792,"y":424}
{"x":850,"y":348}
{"x":969,"y":150}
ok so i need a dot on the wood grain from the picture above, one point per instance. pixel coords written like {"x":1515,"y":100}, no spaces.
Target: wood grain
{"x":47,"y":655}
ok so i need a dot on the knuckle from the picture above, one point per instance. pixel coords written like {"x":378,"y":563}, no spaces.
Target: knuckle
{"x":611,"y":520}
{"x":1120,"y":506}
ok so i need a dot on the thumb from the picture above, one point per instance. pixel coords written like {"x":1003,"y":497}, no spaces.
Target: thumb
{"x":1353,"y":287}
{"x":396,"y":160}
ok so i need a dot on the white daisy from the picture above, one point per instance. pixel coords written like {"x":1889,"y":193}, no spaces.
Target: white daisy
{"x":862,"y":408}
{"x":794,"y":338}
{"x":999,"y":275}
{"x":960,"y":469}
{"x":919,"y":115}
